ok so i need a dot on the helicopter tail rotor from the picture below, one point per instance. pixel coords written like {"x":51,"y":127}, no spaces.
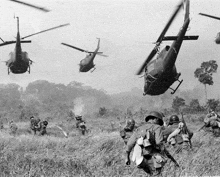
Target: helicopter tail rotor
{"x":159,"y":40}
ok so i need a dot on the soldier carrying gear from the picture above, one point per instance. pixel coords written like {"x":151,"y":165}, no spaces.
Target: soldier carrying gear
{"x":212,"y":120}
{"x":176,"y":135}
{"x":34,"y":124}
{"x":149,"y":149}
{"x":43,"y":127}
{"x":80,"y":124}
{"x":127,"y":131}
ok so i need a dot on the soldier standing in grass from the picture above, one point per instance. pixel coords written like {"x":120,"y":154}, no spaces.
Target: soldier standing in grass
{"x":43,"y":127}
{"x":1,"y":124}
{"x":149,"y":150}
{"x":177,"y":135}
{"x":34,"y":124}
{"x":80,"y":124}
{"x":127,"y":131}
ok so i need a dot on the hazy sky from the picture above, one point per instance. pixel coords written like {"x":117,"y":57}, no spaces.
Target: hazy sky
{"x":126,"y":29}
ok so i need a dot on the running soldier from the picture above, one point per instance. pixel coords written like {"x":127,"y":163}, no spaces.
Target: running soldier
{"x":149,"y":150}
{"x":43,"y":127}
{"x":81,"y":124}
{"x":34,"y":124}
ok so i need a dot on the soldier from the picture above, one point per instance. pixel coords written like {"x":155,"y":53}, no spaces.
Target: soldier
{"x":149,"y":149}
{"x":13,"y":128}
{"x":34,"y":124}
{"x":43,"y":126}
{"x":127,"y":131}
{"x":1,"y":124}
{"x":177,"y":134}
{"x":212,"y":120}
{"x":80,"y":124}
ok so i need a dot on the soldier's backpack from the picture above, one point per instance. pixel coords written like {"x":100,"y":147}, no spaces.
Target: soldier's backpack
{"x":145,"y":145}
{"x":178,"y":136}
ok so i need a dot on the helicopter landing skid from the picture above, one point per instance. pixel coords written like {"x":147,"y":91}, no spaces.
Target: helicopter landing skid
{"x":93,"y":70}
{"x":174,"y":90}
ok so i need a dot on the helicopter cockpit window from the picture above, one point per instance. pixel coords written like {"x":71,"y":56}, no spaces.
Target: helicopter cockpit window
{"x":150,"y":67}
{"x":150,"y":78}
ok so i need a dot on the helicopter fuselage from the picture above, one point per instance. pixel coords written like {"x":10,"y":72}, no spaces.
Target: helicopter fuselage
{"x":19,"y":61}
{"x":87,"y":63}
{"x":18,"y":64}
{"x":161,"y":73}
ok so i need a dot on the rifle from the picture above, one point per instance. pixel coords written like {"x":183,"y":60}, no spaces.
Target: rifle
{"x":185,"y":129}
{"x":166,"y":152}
{"x":201,"y":128}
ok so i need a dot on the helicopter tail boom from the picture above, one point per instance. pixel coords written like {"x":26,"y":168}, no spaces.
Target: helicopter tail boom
{"x":170,"y":38}
{"x":186,"y":7}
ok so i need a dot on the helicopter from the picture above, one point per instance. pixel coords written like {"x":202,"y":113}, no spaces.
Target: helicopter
{"x":161,"y":73}
{"x":19,"y":61}
{"x":87,"y":63}
{"x":217,"y":39}
{"x":31,"y":5}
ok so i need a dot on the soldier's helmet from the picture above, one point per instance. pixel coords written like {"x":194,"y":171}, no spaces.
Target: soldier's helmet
{"x":78,"y":117}
{"x":153,"y":115}
{"x":45,"y":123}
{"x":174,"y":119}
{"x":130,"y":123}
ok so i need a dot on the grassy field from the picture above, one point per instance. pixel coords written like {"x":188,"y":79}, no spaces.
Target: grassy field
{"x":99,"y":153}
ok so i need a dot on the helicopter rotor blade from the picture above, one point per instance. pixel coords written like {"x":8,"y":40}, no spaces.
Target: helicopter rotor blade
{"x":12,"y":42}
{"x":75,"y":48}
{"x":46,"y":30}
{"x":217,"y":18}
{"x":31,"y":5}
{"x":160,"y":39}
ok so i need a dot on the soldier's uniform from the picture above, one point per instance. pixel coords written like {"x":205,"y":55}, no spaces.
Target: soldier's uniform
{"x":43,"y":127}
{"x":127,"y":131}
{"x":174,"y":136}
{"x":147,"y":142}
{"x":80,"y":124}
{"x":34,"y":124}
{"x":212,"y":120}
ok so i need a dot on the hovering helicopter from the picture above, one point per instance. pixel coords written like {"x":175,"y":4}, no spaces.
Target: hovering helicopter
{"x":87,"y":63}
{"x":19,"y":61}
{"x":217,"y":39}
{"x":161,"y":73}
{"x":31,"y":5}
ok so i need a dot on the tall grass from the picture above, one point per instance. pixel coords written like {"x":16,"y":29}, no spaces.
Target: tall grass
{"x":98,"y":154}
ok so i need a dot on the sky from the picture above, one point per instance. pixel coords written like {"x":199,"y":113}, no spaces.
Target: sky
{"x":126,"y":28}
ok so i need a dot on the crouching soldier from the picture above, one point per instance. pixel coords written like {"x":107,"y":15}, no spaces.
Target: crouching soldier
{"x":34,"y":124}
{"x":127,"y":131}
{"x":177,"y":135}
{"x":43,"y":127}
{"x":149,"y":151}
{"x":212,"y":120}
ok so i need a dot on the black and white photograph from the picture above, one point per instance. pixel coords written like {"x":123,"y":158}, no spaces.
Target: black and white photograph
{"x":109,"y":88}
